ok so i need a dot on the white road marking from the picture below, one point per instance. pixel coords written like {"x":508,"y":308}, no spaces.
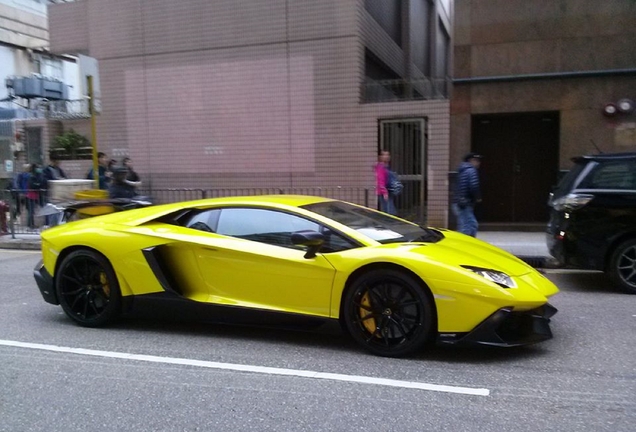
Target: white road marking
{"x":253,"y":369}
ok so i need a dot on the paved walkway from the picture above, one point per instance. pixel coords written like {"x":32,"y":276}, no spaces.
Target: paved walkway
{"x":532,"y":244}
{"x":525,"y":244}
{"x":21,"y":241}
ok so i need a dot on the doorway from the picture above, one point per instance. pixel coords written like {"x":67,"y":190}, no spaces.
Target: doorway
{"x":520,"y":165}
{"x":34,"y":145}
{"x":406,"y":139}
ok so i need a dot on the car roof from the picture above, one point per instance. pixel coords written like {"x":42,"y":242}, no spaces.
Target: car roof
{"x":290,"y":200}
{"x":146,"y":214}
{"x":605,"y":156}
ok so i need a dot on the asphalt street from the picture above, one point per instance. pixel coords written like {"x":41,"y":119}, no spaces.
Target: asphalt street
{"x":153,"y":371}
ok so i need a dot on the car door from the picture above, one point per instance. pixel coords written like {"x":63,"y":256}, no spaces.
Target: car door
{"x":254,"y":264}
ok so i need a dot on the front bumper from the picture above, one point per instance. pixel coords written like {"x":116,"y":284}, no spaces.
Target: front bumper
{"x":45,"y":283}
{"x":507,"y":328}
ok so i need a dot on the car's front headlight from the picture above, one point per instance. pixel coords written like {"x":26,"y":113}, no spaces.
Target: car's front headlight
{"x":500,"y":278}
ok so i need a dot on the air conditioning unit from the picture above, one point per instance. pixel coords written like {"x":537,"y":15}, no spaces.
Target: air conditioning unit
{"x":37,"y":86}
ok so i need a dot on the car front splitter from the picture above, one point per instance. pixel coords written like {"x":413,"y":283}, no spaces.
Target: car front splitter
{"x":507,"y":328}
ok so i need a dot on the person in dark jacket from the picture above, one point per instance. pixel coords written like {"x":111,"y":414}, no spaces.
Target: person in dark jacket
{"x":34,"y":193}
{"x":132,"y":178}
{"x":119,"y":188}
{"x":467,"y":194}
{"x":103,"y":172}
{"x":54,"y":171}
{"x":20,"y":186}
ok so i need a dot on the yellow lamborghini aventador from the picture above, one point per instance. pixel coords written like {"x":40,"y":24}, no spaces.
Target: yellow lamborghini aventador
{"x":393,"y":285}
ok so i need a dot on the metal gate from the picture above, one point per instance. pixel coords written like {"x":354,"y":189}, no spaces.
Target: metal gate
{"x":407,"y":141}
{"x":7,"y":133}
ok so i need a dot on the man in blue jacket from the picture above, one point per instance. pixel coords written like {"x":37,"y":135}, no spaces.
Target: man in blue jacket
{"x":467,"y":194}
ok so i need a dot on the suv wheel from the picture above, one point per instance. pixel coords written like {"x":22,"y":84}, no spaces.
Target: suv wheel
{"x":622,"y":267}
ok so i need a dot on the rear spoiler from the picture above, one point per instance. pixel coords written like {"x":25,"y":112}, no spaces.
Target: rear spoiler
{"x":93,"y":207}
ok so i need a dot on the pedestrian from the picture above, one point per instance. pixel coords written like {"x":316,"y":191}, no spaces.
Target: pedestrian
{"x":119,"y":187}
{"x":109,"y":172}
{"x":132,"y":178}
{"x":20,"y":186}
{"x":467,"y":194}
{"x":52,"y":172}
{"x":33,"y":193}
{"x":103,"y":172}
{"x":382,"y":179}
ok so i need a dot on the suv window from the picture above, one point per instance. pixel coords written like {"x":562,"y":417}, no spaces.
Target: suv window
{"x":567,"y":182}
{"x":611,"y":175}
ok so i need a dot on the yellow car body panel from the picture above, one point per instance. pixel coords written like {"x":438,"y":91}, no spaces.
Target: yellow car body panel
{"x":462,"y":298}
{"x":224,"y":270}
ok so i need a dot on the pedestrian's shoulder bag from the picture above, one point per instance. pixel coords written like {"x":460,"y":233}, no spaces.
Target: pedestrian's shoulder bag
{"x":393,"y":184}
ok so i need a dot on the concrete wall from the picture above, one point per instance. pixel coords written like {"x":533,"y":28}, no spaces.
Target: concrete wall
{"x":23,"y":23}
{"x":516,"y":37}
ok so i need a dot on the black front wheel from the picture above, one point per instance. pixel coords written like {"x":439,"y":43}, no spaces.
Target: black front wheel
{"x":87,"y":288}
{"x":388,"y":313}
{"x":622,"y":267}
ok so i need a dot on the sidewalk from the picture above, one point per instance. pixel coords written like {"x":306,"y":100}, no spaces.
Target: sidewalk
{"x":522,"y":244}
{"x":525,"y":244}
{"x":21,"y":241}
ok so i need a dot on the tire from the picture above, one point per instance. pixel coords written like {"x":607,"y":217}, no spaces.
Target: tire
{"x":388,"y":313}
{"x":87,"y":288}
{"x":622,"y":267}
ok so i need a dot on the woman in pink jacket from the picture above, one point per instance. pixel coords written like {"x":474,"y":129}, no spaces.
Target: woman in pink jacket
{"x":381,"y":178}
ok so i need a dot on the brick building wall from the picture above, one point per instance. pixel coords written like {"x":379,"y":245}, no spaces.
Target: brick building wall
{"x":242,"y":93}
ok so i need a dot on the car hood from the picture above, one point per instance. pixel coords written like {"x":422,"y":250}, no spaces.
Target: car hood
{"x":457,"y":249}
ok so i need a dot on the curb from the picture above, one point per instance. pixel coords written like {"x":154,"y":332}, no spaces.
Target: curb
{"x":9,"y":243}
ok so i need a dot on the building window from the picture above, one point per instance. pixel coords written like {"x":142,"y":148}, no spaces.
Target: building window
{"x":388,"y":14}
{"x":50,"y":67}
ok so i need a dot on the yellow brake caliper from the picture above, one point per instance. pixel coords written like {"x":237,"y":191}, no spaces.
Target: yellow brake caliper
{"x":104,"y":281}
{"x":368,"y":323}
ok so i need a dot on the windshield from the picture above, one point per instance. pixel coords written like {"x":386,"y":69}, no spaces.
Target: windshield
{"x":374,"y":224}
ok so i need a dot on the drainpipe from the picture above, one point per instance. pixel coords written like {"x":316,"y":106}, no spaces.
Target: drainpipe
{"x":543,"y":76}
{"x":405,"y":37}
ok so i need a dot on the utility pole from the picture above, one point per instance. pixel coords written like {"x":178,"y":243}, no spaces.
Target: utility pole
{"x":91,"y":110}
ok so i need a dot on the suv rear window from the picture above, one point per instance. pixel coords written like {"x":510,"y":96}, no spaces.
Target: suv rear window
{"x":611,"y":175}
{"x":567,"y":182}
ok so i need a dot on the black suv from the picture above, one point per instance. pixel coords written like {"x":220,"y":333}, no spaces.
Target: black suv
{"x":593,"y":217}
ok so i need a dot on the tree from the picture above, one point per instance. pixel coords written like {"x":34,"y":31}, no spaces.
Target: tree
{"x":71,"y":145}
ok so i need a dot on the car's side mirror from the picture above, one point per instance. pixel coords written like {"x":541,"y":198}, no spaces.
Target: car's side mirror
{"x":312,"y":239}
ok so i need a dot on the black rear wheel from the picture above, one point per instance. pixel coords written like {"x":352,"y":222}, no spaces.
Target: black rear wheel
{"x":388,"y":313}
{"x":87,"y":288}
{"x":622,"y":267}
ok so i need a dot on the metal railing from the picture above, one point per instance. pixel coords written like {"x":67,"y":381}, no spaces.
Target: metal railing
{"x":67,"y":109}
{"x":18,"y":213}
{"x":396,"y":90}
{"x":50,"y":109}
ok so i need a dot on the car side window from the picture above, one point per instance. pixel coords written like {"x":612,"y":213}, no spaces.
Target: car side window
{"x":204,"y":221}
{"x":274,"y":228}
{"x":612,"y":175}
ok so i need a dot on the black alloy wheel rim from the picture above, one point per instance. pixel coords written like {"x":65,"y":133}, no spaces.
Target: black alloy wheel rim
{"x":626,"y":266}
{"x":85,"y":288}
{"x":387,"y":313}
